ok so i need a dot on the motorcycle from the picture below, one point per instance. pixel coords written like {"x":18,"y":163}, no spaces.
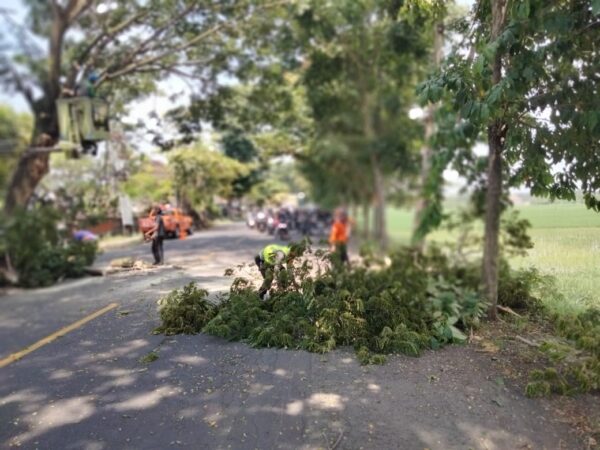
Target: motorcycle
{"x":261,"y":222}
{"x":272,"y":225}
{"x":250,"y":221}
{"x":283,"y":232}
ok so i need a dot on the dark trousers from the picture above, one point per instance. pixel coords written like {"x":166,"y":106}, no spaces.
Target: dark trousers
{"x":341,"y":253}
{"x":268,"y":273}
{"x":157,"y":250}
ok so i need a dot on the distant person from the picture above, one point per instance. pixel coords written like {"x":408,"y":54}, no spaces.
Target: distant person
{"x":338,"y":238}
{"x":84,"y":236}
{"x":269,"y":261}
{"x":157,"y":235}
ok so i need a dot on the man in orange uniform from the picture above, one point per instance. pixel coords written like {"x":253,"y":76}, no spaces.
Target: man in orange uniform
{"x":338,"y":239}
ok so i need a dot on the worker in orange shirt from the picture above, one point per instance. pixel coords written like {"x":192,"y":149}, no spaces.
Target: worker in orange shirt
{"x":338,"y":239}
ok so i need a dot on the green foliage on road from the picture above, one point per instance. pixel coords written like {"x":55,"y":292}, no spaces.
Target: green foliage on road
{"x":39,"y":252}
{"x":409,"y":303}
{"x":574,"y":360}
{"x":185,"y":311}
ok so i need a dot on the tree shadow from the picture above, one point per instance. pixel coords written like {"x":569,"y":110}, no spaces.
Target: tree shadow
{"x":204,"y":392}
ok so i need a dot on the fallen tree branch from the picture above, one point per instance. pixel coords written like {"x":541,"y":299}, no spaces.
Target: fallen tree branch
{"x":508,"y":310}
{"x":527,"y":341}
{"x":93,"y":271}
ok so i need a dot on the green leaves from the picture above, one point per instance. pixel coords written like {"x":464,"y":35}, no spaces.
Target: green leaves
{"x":549,"y":55}
{"x":200,"y":173}
{"x":523,"y":9}
{"x":39,"y":252}
{"x":185,"y":311}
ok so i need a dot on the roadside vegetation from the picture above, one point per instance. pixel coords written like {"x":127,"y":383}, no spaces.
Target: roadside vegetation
{"x":564,"y":274}
{"x":38,"y":252}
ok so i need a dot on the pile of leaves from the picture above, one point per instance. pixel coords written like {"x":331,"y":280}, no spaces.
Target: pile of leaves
{"x":39,"y":252}
{"x":411,"y":302}
{"x":575,"y":360}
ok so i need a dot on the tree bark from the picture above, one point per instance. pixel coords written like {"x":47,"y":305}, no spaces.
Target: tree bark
{"x":496,"y":135}
{"x":492,"y":217}
{"x":32,"y":167}
{"x":366,"y":210}
{"x":379,"y":226}
{"x":426,"y":150}
{"x":379,"y":206}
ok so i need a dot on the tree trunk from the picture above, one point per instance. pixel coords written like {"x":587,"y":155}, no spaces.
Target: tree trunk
{"x":33,"y":167}
{"x":492,"y":216}
{"x":379,"y":206}
{"x":366,"y":221}
{"x":426,"y":150}
{"x":496,"y":135}
{"x":368,"y":116}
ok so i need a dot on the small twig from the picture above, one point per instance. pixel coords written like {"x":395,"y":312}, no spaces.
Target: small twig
{"x":338,"y":440}
{"x":336,"y":443}
{"x":527,"y":341}
{"x":506,"y":309}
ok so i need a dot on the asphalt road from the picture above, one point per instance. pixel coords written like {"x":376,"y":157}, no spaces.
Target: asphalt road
{"x":89,"y":389}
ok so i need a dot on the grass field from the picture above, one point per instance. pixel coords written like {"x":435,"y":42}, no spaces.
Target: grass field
{"x":566,"y":240}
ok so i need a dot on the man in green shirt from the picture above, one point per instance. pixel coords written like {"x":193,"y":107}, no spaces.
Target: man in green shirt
{"x":269,"y":260}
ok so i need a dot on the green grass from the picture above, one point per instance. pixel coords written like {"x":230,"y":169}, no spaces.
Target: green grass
{"x":566,"y":239}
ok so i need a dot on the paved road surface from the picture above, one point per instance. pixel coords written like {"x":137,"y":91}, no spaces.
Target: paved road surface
{"x":89,"y":390}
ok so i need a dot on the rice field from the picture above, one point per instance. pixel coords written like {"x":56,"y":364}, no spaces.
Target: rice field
{"x":566,"y":239}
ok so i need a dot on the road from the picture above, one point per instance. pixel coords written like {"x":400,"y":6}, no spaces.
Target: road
{"x":89,"y":389}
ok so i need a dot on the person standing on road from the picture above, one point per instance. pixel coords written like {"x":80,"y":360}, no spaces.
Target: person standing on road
{"x":338,"y":238}
{"x":157,"y":235}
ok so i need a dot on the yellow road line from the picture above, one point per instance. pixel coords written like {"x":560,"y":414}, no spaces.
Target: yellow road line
{"x":60,"y":333}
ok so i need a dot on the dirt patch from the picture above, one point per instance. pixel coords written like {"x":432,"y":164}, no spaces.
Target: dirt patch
{"x":513,"y":348}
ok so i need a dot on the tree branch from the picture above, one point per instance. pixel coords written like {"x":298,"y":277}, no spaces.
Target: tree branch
{"x":92,"y":51}
{"x":20,"y":85}
{"x":152,"y":59}
{"x":134,"y":66}
{"x":75,"y":8}
{"x":142,"y":46}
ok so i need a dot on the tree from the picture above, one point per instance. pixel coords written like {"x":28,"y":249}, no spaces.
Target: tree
{"x":150,"y":183}
{"x":363,"y":60}
{"x":423,"y":205}
{"x":528,"y":81}
{"x":128,"y":48}
{"x":15,"y":131}
{"x":237,"y":146}
{"x":200,"y":174}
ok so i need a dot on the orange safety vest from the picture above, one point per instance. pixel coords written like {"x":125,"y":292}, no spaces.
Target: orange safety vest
{"x":339,"y":233}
